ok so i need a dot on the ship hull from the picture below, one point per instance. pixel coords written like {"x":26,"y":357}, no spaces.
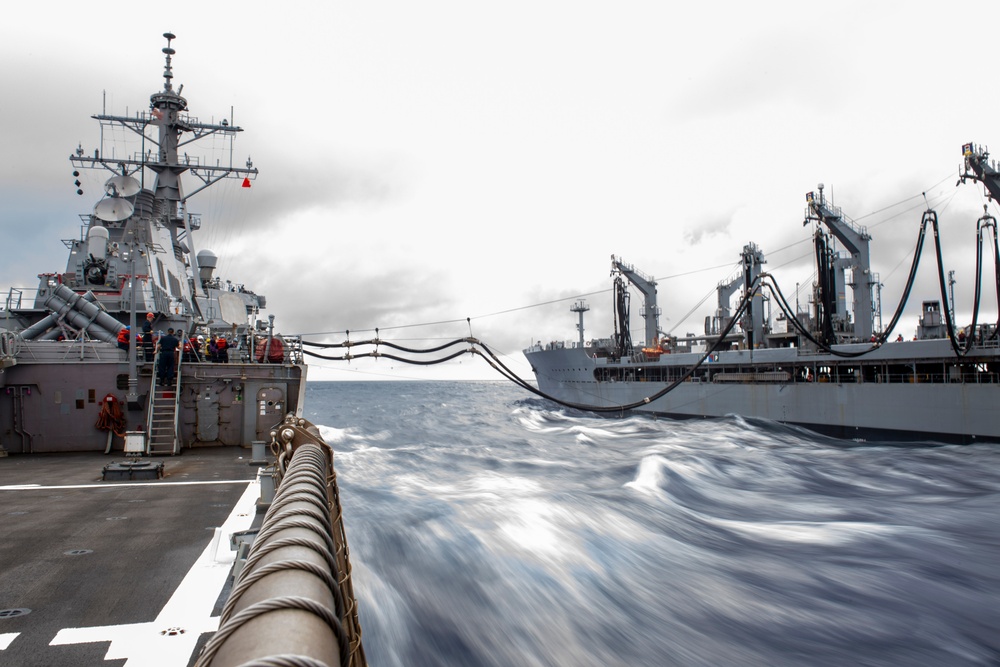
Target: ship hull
{"x":51,"y":400}
{"x":944,"y":407}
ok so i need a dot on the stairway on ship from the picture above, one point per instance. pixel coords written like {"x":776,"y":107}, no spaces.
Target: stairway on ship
{"x":163,"y":419}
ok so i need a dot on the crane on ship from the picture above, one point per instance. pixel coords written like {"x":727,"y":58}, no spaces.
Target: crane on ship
{"x":754,"y":321}
{"x":863,"y":283}
{"x":978,"y":167}
{"x":650,"y":311}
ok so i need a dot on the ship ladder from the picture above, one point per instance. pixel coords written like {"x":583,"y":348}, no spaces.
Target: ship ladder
{"x":163,"y":416}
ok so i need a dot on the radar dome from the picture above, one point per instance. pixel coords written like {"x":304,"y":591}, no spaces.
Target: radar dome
{"x":207,"y":261}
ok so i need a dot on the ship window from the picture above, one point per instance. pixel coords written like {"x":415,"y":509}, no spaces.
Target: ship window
{"x":932,"y":372}
{"x":847,"y":374}
{"x":899,"y":373}
{"x":871,"y":373}
{"x":121,"y":381}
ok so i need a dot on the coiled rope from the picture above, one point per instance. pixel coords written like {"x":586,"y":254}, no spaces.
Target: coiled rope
{"x":294,"y":594}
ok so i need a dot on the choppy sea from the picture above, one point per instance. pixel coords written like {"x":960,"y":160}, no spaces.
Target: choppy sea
{"x":491,"y":527}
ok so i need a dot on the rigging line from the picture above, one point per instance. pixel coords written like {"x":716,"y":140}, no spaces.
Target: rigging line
{"x":790,"y":245}
{"x":898,"y":264}
{"x":507,"y":311}
{"x":802,"y":329}
{"x":691,"y":273}
{"x":378,"y":341}
{"x":744,"y":302}
{"x":794,"y":260}
{"x":908,"y":255}
{"x":380,"y":355}
{"x":456,"y":320}
{"x":933,"y":201}
{"x":901,"y":201}
{"x":381,"y":328}
{"x":226,"y":206}
{"x":603,"y":291}
{"x":491,"y":358}
{"x":499,"y":312}
{"x":713,"y":290}
{"x":690,"y":312}
{"x":733,"y":268}
{"x":538,"y":305}
{"x":475,"y":343}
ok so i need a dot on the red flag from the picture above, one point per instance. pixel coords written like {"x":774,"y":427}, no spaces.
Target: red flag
{"x":246,"y":182}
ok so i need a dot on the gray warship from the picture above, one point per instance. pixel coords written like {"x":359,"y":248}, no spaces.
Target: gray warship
{"x":178,"y":515}
{"x":62,"y":367}
{"x":833,"y":369}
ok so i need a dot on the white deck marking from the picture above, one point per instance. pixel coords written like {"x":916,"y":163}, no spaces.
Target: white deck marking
{"x":189,"y":608}
{"x":7,"y":638}
{"x":112,"y":485}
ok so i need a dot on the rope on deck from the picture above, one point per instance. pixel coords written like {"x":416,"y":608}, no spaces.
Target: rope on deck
{"x":293,"y":603}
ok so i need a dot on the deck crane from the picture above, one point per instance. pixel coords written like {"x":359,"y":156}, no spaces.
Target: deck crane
{"x":646,"y":285}
{"x":855,"y":240}
{"x":751,"y":260}
{"x":982,"y":170}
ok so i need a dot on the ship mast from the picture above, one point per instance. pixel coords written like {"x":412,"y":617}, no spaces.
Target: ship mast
{"x":752,"y":259}
{"x":580,"y":307}
{"x":157,"y":219}
{"x":168,"y":116}
{"x":164,"y":109}
{"x":167,"y":113}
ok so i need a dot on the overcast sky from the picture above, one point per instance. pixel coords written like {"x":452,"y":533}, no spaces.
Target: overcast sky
{"x":426,"y":162}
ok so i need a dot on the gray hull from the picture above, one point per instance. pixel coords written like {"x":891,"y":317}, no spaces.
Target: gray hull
{"x":940,"y":406}
{"x":50,"y":400}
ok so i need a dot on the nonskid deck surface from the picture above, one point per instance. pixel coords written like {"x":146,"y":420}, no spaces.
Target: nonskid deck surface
{"x":128,"y":571}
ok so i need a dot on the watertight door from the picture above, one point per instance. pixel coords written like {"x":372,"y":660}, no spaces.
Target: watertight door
{"x":207,"y":409}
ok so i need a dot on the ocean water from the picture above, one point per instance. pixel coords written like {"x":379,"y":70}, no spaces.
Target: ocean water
{"x":490,"y":527}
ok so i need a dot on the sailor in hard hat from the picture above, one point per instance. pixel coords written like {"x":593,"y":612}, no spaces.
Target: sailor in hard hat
{"x":123,"y":338}
{"x":223,"y":350}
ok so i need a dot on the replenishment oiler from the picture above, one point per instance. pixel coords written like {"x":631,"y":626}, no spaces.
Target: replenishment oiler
{"x":831,"y":369}
{"x":119,"y":462}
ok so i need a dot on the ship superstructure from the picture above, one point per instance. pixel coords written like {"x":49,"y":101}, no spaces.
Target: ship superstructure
{"x":832,"y":368}
{"x":142,"y":226}
{"x":61,"y":351}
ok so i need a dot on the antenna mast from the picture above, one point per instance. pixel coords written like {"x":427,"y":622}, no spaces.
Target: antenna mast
{"x":580,"y":307}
